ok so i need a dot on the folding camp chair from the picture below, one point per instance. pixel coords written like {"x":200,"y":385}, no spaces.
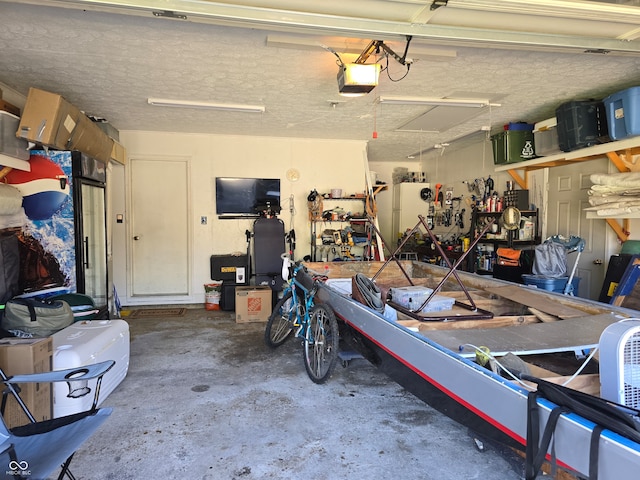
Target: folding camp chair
{"x":37,"y":449}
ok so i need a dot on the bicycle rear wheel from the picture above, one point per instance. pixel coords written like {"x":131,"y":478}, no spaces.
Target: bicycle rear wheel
{"x":280,"y":323}
{"x":321,"y":343}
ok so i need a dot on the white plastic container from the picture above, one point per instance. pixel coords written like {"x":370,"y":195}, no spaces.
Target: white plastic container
{"x":342,"y":285}
{"x":413,"y":297}
{"x":9,"y":143}
{"x":545,"y":137}
{"x":410,"y":297}
{"x":84,"y":343}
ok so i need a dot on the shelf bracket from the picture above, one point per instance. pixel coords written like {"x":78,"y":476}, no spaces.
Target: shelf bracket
{"x":4,"y":172}
{"x":522,"y":182}
{"x":378,"y":188}
{"x":614,"y":158}
{"x":622,"y":231}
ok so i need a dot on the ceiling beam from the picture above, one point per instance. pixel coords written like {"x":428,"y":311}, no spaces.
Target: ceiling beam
{"x":352,"y":46}
{"x":288,"y":20}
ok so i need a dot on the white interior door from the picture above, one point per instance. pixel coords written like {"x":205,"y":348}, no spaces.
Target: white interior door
{"x":568,"y":188}
{"x":159,"y":227}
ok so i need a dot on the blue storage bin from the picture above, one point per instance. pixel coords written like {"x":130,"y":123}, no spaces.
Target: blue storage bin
{"x":551,"y":284}
{"x":520,"y":126}
{"x":623,"y":113}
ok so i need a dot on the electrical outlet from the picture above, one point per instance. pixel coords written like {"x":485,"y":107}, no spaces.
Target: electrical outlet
{"x":203,"y":220}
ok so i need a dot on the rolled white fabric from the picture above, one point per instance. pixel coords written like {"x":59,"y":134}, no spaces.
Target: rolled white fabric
{"x":631,"y":179}
{"x":12,"y":221}
{"x":10,"y":200}
{"x":606,"y":212}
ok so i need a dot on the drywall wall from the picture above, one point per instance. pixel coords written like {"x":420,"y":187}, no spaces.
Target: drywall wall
{"x":322,"y":165}
{"x":384,"y":200}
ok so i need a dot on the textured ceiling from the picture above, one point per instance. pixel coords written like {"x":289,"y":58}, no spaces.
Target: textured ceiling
{"x":109,"y":63}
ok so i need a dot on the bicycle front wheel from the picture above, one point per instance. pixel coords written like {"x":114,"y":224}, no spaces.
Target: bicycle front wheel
{"x":280,"y":323}
{"x":321,"y":343}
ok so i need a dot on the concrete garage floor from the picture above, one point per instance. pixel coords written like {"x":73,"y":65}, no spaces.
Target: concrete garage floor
{"x":206,"y":399}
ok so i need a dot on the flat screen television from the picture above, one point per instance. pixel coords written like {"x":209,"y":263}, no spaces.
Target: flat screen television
{"x":246,"y":197}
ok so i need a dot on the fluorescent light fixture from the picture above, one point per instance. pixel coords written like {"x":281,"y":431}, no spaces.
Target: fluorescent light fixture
{"x":438,"y":102}
{"x":355,"y":79}
{"x":228,"y":107}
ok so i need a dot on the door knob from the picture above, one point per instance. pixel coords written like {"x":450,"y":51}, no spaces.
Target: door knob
{"x":137,"y":237}
{"x":598,"y":261}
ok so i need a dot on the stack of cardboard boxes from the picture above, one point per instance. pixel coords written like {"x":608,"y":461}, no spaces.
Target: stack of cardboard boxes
{"x":50,"y":120}
{"x":19,"y":356}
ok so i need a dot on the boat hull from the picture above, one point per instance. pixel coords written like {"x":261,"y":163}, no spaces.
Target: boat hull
{"x":422,"y":387}
{"x":474,"y":396}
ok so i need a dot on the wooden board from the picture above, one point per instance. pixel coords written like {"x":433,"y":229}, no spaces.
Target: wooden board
{"x":627,"y":293}
{"x":573,"y":334}
{"x":589,"y":383}
{"x":533,"y":298}
{"x":495,"y":322}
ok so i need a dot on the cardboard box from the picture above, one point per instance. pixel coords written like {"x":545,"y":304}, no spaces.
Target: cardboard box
{"x":118,"y":153}
{"x":253,"y":304}
{"x":109,"y":129}
{"x":50,"y":120}
{"x":21,"y":356}
{"x":90,"y":140}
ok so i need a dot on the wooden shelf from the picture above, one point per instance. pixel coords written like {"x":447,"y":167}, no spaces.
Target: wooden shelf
{"x":595,"y":216}
{"x":377,"y":189}
{"x":12,"y":162}
{"x":612,"y":150}
{"x":523,"y":213}
{"x":353,"y":220}
{"x":509,"y":241}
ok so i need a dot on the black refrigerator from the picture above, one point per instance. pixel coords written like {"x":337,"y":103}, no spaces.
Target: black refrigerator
{"x":89,"y":182}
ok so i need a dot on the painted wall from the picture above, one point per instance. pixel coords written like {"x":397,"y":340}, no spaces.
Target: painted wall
{"x":384,"y":200}
{"x":323,"y":165}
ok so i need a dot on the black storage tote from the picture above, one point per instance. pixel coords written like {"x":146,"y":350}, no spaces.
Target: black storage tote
{"x":581,"y":123}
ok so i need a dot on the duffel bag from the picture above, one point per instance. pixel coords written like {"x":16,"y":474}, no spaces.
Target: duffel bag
{"x":508,"y":257}
{"x":41,"y":318}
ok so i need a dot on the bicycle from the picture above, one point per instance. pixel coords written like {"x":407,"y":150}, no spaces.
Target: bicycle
{"x":315,"y":324}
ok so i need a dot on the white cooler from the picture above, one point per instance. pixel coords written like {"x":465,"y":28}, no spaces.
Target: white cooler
{"x":83,"y":343}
